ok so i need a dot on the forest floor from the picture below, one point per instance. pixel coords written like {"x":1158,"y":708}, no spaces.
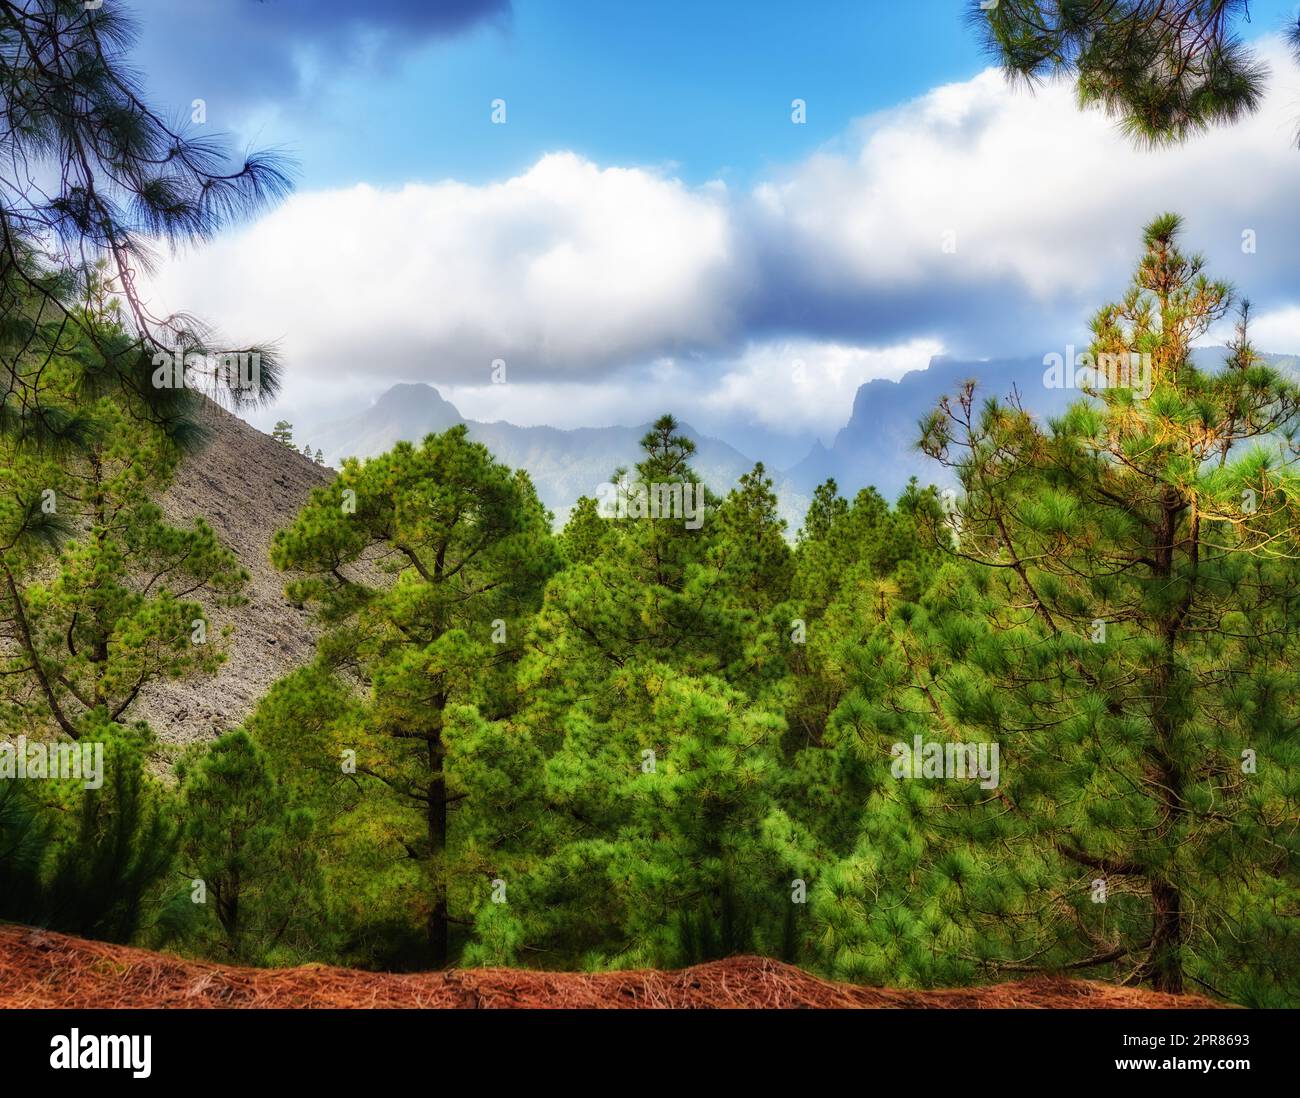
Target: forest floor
{"x":39,"y":968}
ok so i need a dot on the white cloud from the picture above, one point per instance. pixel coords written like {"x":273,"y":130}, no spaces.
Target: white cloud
{"x":1033,"y":194}
{"x":1278,"y":330}
{"x":806,"y":385}
{"x":566,"y":268}
{"x":790,"y":387}
{"x":609,"y":287}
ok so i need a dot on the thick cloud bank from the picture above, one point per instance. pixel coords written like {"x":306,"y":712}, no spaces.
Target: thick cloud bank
{"x":977,"y":219}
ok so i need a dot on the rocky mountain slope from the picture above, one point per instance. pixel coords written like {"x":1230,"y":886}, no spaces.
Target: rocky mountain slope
{"x":247,"y":486}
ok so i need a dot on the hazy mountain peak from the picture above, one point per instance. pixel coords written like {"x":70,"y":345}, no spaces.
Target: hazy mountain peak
{"x":413,"y":394}
{"x":564,"y":464}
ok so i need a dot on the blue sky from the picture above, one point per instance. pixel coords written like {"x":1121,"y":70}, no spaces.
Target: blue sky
{"x":702,"y":86}
{"x":649,"y":230}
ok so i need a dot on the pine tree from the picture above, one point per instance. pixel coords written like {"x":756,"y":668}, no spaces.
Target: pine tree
{"x":123,"y":848}
{"x":1166,"y":69}
{"x":24,"y":845}
{"x":123,"y":602}
{"x":1123,"y":638}
{"x":94,"y":177}
{"x":629,"y":796}
{"x":750,"y":549}
{"x":853,"y":564}
{"x":467,"y":548}
{"x":642,"y":580}
{"x":99,"y":598}
{"x":253,"y":854}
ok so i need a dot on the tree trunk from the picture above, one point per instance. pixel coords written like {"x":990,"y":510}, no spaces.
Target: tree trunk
{"x":437,"y":820}
{"x":437,"y":929}
{"x":1166,"y":957}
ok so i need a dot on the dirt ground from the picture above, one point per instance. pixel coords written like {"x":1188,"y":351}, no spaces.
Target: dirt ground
{"x":42,"y":969}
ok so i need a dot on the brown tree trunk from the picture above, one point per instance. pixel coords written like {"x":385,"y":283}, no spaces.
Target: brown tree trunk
{"x":437,"y":821}
{"x":437,"y":929}
{"x":1165,"y":957}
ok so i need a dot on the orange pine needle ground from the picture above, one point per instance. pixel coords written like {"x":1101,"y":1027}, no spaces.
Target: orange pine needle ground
{"x":42,"y":969}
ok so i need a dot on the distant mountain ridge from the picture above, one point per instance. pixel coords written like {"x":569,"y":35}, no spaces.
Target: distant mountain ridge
{"x":565,"y":464}
{"x":876,"y":446}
